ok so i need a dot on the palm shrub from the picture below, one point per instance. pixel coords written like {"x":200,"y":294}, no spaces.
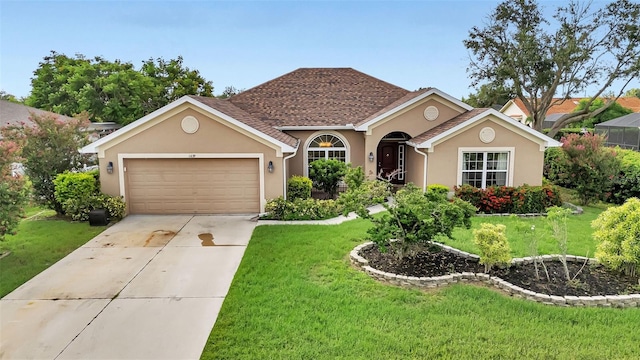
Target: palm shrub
{"x":493,"y":245}
{"x":617,"y":232}
{"x":414,"y":220}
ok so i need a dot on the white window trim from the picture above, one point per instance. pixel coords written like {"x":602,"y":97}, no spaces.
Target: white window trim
{"x":510,"y":169}
{"x":347,"y":157}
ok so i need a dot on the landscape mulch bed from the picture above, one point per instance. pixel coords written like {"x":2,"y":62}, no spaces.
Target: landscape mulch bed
{"x":591,"y":279}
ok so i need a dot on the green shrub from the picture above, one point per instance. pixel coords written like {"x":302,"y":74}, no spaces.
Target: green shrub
{"x":523,"y":199}
{"x":78,"y":208}
{"x":357,"y":199}
{"x":76,"y":186}
{"x":78,"y":194}
{"x":617,"y":232}
{"x":437,"y":191}
{"x":114,"y":205}
{"x":299,"y":187}
{"x":554,"y":166}
{"x":493,"y":245}
{"x":627,"y":183}
{"x":326,"y":174}
{"x":414,"y":220}
{"x":354,"y":178}
{"x":300,"y":209}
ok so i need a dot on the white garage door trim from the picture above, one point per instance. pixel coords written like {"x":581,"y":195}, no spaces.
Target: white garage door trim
{"x":259,"y":156}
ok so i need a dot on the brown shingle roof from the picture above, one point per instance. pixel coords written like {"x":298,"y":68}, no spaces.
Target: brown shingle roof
{"x":394,"y":104}
{"x":246,"y":118}
{"x":448,"y":125}
{"x":318,"y":97}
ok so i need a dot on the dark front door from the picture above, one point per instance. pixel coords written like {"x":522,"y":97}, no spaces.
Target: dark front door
{"x":388,"y":160}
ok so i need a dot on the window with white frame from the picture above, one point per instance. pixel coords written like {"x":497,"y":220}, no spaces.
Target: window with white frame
{"x":326,"y":146}
{"x":485,"y":168}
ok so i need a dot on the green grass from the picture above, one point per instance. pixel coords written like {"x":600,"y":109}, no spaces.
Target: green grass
{"x":295,"y":296}
{"x":579,"y":231}
{"x":39,"y":243}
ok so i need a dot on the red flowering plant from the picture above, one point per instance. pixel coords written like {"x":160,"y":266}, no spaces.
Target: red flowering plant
{"x":589,"y":166}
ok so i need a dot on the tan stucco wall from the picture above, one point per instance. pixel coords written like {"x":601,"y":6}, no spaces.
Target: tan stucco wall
{"x":415,"y":166}
{"x":443,"y":161}
{"x":214,"y":136}
{"x":355,"y":145}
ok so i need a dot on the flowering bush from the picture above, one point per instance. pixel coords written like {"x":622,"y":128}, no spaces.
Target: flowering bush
{"x":588,"y":166}
{"x":515,"y":200}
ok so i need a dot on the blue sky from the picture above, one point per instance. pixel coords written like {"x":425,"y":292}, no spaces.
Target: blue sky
{"x":411,"y":44}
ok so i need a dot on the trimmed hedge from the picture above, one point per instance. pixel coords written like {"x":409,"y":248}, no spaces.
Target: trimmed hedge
{"x":299,"y":187}
{"x":300,"y":209}
{"x":523,"y":199}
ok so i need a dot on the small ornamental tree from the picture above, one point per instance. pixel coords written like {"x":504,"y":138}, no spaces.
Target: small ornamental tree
{"x":589,"y":167}
{"x":47,"y":149}
{"x":493,"y":245}
{"x":414,"y":219}
{"x":326,"y":174}
{"x":617,"y":232}
{"x":13,"y":192}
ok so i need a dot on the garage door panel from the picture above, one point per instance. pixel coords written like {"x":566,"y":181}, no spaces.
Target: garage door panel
{"x":212,"y":186}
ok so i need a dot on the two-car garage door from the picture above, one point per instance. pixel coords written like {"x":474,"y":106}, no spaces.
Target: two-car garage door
{"x":192,"y":186}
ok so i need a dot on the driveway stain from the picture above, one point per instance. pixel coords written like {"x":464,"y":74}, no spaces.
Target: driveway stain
{"x":159,"y":236}
{"x":207,"y":239}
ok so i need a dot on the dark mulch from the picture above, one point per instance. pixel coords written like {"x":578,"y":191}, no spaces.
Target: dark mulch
{"x":432,"y":261}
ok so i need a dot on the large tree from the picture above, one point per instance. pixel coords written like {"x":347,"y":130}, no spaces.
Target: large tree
{"x":613,"y":111}
{"x":489,"y":96}
{"x":111,"y":91}
{"x":581,"y":50}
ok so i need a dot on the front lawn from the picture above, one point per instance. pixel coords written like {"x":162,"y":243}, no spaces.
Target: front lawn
{"x":295,"y":296}
{"x":40,"y":243}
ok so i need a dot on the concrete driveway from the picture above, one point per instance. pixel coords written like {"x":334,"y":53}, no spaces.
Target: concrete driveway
{"x":149,"y":287}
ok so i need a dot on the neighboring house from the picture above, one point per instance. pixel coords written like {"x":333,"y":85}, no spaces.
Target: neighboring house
{"x":12,"y":114}
{"x":515,"y":109}
{"x":207,"y":155}
{"x":623,"y":131}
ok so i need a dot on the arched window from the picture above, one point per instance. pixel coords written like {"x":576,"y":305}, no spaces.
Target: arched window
{"x":326,"y":146}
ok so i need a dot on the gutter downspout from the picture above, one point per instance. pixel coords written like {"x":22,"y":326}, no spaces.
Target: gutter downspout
{"x":284,"y":169}
{"x":424,"y":179}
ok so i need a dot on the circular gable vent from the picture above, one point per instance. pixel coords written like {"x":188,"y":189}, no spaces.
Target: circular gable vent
{"x":487,"y":135}
{"x":190,"y":124}
{"x":431,"y":113}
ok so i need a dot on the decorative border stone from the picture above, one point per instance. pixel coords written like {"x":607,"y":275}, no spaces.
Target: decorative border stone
{"x":617,"y":301}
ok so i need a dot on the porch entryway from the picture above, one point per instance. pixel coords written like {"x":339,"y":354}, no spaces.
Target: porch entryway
{"x":391,"y":156}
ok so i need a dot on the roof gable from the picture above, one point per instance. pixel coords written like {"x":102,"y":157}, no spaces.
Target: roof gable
{"x":432,"y":137}
{"x":282,"y":141}
{"x":406,"y":101}
{"x":318,"y":97}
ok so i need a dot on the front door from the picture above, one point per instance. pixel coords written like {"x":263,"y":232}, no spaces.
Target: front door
{"x":388,"y":161}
